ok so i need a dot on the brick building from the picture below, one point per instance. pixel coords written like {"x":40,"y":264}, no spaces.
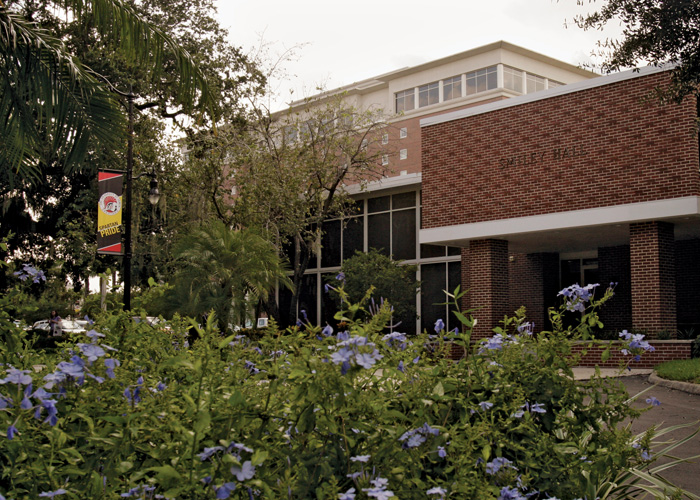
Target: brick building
{"x":590,"y":182}
{"x":516,"y":175}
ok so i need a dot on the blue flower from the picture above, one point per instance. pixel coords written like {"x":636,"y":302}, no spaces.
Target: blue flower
{"x":12,"y":431}
{"x":250,"y":366}
{"x":511,"y":494}
{"x":52,"y":494}
{"x":348,"y":495}
{"x":94,"y":334}
{"x":537,"y":408}
{"x":91,"y":351}
{"x":225,"y":490}
{"x":492,"y":344}
{"x":327,"y":330}
{"x":439,"y":326}
{"x":367,"y":360}
{"x":442,"y":452}
{"x":16,"y":376}
{"x":486,"y":405}
{"x":245,"y":471}
{"x":30,"y":272}
{"x":396,"y":339}
{"x":437,"y":490}
{"x":340,"y":276}
{"x":209,"y":452}
{"x":653,"y":401}
{"x":400,"y":367}
{"x":497,"y":464}
{"x":361,"y":458}
{"x":111,"y":364}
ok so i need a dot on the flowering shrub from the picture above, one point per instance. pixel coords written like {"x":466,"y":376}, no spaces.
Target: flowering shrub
{"x":135,"y":412}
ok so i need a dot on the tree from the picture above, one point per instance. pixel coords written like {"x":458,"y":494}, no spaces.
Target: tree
{"x":229,"y":272}
{"x":44,"y":201}
{"x":657,"y":32}
{"x":392,"y":281}
{"x":291,"y":172}
{"x":53,"y":106}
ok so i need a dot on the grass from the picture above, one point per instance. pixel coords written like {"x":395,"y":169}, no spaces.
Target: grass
{"x":683,"y":370}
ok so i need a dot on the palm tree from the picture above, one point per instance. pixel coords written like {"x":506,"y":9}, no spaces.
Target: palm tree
{"x":52,"y":106}
{"x":227,"y":271}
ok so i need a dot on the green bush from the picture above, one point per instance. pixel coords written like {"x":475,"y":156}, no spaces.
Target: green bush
{"x":134,"y":411}
{"x":389,"y":279}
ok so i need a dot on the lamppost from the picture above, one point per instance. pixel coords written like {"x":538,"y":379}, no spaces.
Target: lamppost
{"x":153,"y":197}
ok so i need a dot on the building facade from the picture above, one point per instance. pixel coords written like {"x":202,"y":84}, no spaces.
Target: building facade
{"x":590,"y":182}
{"x":515,"y":175}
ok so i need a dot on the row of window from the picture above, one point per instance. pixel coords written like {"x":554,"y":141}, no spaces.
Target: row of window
{"x":470,"y":83}
{"x":389,"y":224}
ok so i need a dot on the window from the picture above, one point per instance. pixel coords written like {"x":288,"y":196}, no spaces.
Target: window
{"x":428,"y":94}
{"x":452,"y":88}
{"x":403,"y":154}
{"x":385,"y":139}
{"x":403,"y":133}
{"x":385,"y":159}
{"x":535,"y":83}
{"x":290,"y":133}
{"x":405,"y":100}
{"x":481,"y":80}
{"x":513,"y":79}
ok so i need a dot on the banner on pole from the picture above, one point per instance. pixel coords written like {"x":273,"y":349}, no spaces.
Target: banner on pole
{"x":109,"y":213}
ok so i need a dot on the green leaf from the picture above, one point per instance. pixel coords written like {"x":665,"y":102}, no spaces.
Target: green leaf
{"x":439,"y":390}
{"x":166,"y":473}
{"x":258,"y":457}
{"x":237,"y":399}
{"x":203,"y":421}
{"x":124,"y":467}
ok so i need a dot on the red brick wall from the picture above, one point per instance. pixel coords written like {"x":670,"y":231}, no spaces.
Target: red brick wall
{"x":534,"y":283}
{"x":653,"y":277}
{"x":598,"y":147}
{"x":487,"y":285}
{"x":665,"y":350}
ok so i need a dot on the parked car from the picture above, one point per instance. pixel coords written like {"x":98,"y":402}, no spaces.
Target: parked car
{"x":67,"y":326}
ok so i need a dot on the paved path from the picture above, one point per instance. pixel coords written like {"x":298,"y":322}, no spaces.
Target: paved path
{"x":677,"y":407}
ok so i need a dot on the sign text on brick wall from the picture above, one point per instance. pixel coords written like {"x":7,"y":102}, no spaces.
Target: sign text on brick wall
{"x":555,"y":154}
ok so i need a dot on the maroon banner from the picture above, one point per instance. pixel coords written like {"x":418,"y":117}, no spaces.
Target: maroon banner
{"x":109,"y":213}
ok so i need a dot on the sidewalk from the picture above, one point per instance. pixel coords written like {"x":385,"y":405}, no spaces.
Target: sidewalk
{"x":583,"y":373}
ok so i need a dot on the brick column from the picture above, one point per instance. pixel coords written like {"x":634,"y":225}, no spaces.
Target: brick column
{"x":487,"y":282}
{"x":653,"y":277}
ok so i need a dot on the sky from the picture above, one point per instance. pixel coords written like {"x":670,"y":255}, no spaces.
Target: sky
{"x":338,"y":43}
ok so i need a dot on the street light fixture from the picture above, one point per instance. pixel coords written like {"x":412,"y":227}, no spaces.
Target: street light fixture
{"x":153,"y":198}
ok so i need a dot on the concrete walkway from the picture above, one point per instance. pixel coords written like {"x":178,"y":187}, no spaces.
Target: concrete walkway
{"x":582,"y":373}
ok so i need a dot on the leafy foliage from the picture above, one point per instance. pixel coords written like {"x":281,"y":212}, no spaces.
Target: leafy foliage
{"x":227,"y":271}
{"x":52,"y":105}
{"x":390,"y":280}
{"x":316,"y":414}
{"x":292,"y":170}
{"x":656,"y":32}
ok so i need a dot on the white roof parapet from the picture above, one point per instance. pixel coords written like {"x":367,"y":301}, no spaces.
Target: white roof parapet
{"x":395,"y":181}
{"x":543,"y":94}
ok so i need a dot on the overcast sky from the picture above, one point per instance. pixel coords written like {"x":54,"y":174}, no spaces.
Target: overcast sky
{"x":344,"y":42}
